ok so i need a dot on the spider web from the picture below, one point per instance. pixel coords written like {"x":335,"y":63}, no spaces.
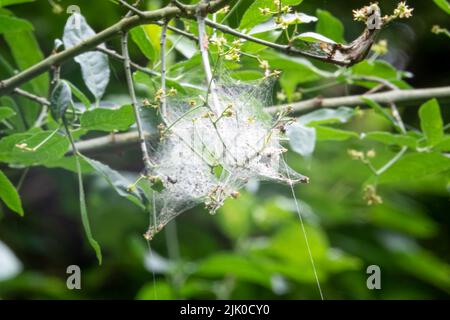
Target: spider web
{"x":211,"y":148}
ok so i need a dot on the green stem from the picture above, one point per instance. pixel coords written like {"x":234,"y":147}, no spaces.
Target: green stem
{"x":83,"y":208}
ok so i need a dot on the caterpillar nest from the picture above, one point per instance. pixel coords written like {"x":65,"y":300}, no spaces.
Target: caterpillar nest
{"x":211,"y":147}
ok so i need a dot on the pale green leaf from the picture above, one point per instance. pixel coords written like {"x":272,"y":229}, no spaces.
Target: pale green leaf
{"x":94,"y":64}
{"x":302,"y":139}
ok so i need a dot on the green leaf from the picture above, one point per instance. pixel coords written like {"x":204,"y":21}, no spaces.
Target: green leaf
{"x":412,"y":167}
{"x":153,"y":32}
{"x":9,"y":195}
{"x":330,"y":26}
{"x":6,"y":112}
{"x":443,"y":145}
{"x":234,"y":16}
{"x":444,"y":5}
{"x":4,"y":3}
{"x":295,"y":70}
{"x":403,"y":218}
{"x":117,"y":181}
{"x":326,"y":116}
{"x":327,"y":133}
{"x":157,"y":184}
{"x":18,"y":120}
{"x":139,"y":36}
{"x":69,"y":163}
{"x":12,"y":24}
{"x":302,"y":139}
{"x":388,"y":138}
{"x":253,"y":16}
{"x":313,"y":37}
{"x":431,"y":121}
{"x":187,"y":47}
{"x":53,"y":149}
{"x":381,"y":111}
{"x":84,"y":214}
{"x":425,"y":266}
{"x":241,"y":267}
{"x":375,"y":69}
{"x":79,"y":95}
{"x":160,"y":290}
{"x":103,"y":119}
{"x":26,"y":52}
{"x":60,"y":99}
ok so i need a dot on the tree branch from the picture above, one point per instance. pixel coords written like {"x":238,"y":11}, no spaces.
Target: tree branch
{"x":336,"y":53}
{"x":123,"y":139}
{"x":123,"y":25}
{"x":113,"y":54}
{"x":355,"y":100}
{"x":134,"y":103}
{"x":33,"y":97}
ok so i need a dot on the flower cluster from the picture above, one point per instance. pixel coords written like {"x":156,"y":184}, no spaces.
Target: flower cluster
{"x":402,"y":11}
{"x":370,"y":195}
{"x":381,"y":47}
{"x":360,"y":155}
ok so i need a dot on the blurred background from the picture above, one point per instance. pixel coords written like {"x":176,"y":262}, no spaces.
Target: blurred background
{"x":253,"y":247}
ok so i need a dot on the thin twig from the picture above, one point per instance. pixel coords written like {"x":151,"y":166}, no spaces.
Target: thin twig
{"x":134,"y":103}
{"x":163,"y":100}
{"x":33,"y":97}
{"x":391,"y":162}
{"x":22,"y":178}
{"x":132,"y":8}
{"x":115,"y":55}
{"x":203,"y":45}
